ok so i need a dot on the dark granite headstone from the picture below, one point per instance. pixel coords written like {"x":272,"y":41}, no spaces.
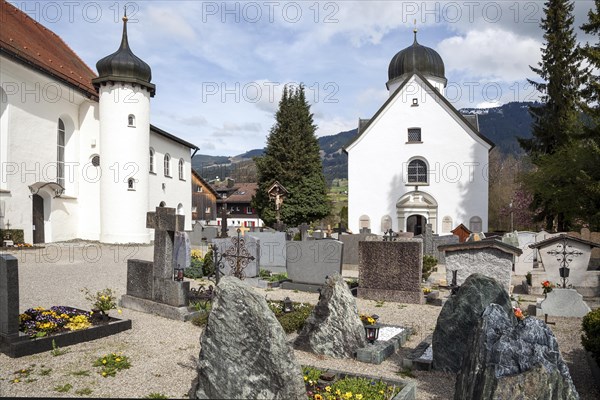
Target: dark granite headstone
{"x":391,"y":271}
{"x":9,"y":297}
{"x":139,"y":278}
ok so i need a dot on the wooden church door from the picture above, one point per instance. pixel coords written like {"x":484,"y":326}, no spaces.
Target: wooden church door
{"x":38,"y":219}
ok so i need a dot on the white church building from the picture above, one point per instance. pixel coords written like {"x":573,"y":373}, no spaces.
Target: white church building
{"x":78,"y":155}
{"x":418,"y":161}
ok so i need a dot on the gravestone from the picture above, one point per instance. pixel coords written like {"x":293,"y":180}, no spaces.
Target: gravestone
{"x":432,"y":241}
{"x":488,"y":257}
{"x":334,"y":327}
{"x":152,"y":286}
{"x":203,"y":234}
{"x":244,"y":350}
{"x":510,"y":360}
{"x":309,"y":262}
{"x":459,"y":318}
{"x":182,"y":253}
{"x":564,"y":303}
{"x":240,"y":253}
{"x":351,"y":246}
{"x":524,"y":262}
{"x":303,"y":228}
{"x":9,"y":298}
{"x":272,"y":250}
{"x":391,"y":271}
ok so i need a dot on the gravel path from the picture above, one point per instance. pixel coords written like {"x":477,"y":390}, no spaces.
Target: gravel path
{"x":163,"y":352}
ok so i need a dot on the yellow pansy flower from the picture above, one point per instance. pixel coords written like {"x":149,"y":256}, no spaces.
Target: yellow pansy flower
{"x":104,"y":361}
{"x":328,"y":389}
{"x":348,"y":395}
{"x":359,"y":396}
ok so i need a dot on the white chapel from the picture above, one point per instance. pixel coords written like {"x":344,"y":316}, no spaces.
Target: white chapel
{"x":418,"y":161}
{"x":78,"y":155}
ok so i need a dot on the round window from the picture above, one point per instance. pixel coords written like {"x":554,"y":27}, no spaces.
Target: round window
{"x":96,"y":161}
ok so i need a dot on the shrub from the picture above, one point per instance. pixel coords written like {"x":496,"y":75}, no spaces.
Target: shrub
{"x":208,"y":267}
{"x":278,"y":277}
{"x":195,"y":270}
{"x":528,"y":278}
{"x":16,"y":235}
{"x":428,"y":263}
{"x":591,"y":333}
{"x":264,"y":273}
{"x":201,"y":319}
{"x":293,"y":321}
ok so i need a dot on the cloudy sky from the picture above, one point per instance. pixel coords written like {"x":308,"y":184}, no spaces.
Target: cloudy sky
{"x":219,"y":67}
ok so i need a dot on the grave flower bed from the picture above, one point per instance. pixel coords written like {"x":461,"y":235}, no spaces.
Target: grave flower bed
{"x":39,"y":322}
{"x":291,"y":321}
{"x":323,"y":385}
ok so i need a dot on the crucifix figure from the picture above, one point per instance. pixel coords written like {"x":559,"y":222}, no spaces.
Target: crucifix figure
{"x":564,"y":254}
{"x":277,"y":193}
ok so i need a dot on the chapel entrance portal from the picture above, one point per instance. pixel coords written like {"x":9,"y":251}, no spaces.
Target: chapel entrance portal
{"x":415,"y":224}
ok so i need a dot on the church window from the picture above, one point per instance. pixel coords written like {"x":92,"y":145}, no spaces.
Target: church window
{"x":414,"y":135}
{"x":417,"y":171}
{"x":60,"y":156}
{"x":131,"y":184}
{"x":181,"y":174}
{"x":475,"y":224}
{"x":446,"y":224}
{"x":152,"y":161}
{"x":131,"y":120}
{"x":96,"y":160}
{"x":364,"y":222}
{"x":180,"y":209}
{"x":162,"y":204}
{"x":167,"y":165}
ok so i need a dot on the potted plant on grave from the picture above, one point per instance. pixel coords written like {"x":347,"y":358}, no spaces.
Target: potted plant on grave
{"x":102,"y":302}
{"x":547,"y":287}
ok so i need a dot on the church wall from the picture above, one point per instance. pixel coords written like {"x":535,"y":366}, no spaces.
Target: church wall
{"x":377,"y":163}
{"x":36,"y":102}
{"x":175,"y":191}
{"x":89,"y":182}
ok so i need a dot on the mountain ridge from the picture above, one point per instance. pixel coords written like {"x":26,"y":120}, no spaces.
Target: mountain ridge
{"x":502,"y":125}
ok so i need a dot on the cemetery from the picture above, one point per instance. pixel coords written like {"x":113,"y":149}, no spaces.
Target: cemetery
{"x":400,"y":329}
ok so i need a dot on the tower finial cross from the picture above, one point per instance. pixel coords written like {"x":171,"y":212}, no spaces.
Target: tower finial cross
{"x":125,"y":13}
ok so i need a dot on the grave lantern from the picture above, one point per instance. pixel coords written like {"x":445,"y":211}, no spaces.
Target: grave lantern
{"x":178,"y":276}
{"x":287,"y":305}
{"x":372,"y":332}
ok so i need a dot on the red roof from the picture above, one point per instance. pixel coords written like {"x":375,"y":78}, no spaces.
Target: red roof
{"x":26,"y":40}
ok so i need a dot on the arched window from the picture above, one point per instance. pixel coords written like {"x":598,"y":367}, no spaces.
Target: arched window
{"x":417,"y":171}
{"x":364,"y":222}
{"x":167,"y":165}
{"x":60,"y":154}
{"x":162,"y":204}
{"x":130,"y":184}
{"x":180,"y":209}
{"x":181,"y":175}
{"x":131,"y":120}
{"x":152,"y":161}
{"x":446,"y":224}
{"x":475,"y":224}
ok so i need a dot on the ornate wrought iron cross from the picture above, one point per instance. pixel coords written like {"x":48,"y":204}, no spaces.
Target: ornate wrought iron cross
{"x":388,"y":236}
{"x":564,"y":254}
{"x":238,"y":257}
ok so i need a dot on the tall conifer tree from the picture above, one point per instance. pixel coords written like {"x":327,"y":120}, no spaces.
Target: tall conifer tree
{"x":556,"y":121}
{"x":292,"y":158}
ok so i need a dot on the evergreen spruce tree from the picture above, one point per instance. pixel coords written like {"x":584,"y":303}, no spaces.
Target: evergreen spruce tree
{"x":292,"y":158}
{"x":556,"y":121}
{"x":591,"y":91}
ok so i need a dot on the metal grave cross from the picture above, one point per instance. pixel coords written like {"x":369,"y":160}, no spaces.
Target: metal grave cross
{"x":564,"y":254}
{"x":237,"y":256}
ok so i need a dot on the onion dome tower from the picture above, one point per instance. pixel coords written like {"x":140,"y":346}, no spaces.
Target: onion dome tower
{"x":416,"y":58}
{"x":124,"y":91}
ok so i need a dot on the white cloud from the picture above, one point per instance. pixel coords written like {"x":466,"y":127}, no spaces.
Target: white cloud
{"x":490,"y":54}
{"x":170,"y":22}
{"x":487,"y":104}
